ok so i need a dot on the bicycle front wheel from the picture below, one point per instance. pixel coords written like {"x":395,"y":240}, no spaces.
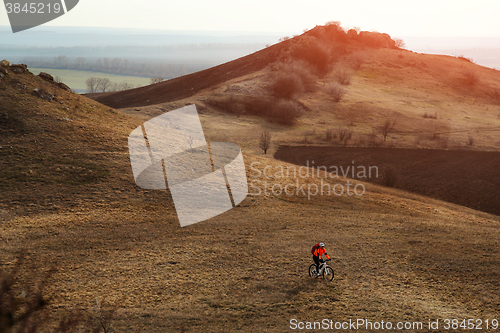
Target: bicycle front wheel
{"x":312,"y":271}
{"x":328,"y":274}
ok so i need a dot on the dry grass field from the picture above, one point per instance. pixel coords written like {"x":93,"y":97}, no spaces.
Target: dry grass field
{"x":70,"y":202}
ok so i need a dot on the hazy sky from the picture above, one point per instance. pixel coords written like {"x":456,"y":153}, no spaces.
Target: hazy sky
{"x":398,"y":18}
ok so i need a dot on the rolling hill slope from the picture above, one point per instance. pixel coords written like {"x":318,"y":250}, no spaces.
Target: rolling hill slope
{"x":187,"y":85}
{"x":69,"y":199}
{"x":433,"y":102}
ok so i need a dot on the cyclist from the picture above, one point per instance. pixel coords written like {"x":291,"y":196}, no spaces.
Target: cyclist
{"x":317,"y":253}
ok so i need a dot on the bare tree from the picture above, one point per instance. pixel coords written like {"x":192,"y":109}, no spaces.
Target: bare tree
{"x":400,"y":44}
{"x":81,"y":62}
{"x":123,"y":86}
{"x":104,"y":84}
{"x":265,"y":141}
{"x":387,"y":127}
{"x":156,"y":80}
{"x":61,"y":61}
{"x":91,"y":83}
{"x":113,"y":87}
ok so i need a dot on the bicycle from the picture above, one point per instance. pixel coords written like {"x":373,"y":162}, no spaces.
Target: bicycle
{"x":324,"y":270}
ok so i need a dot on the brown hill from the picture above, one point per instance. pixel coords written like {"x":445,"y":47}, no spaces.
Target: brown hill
{"x":433,"y":102}
{"x":188,"y":85}
{"x":57,"y":148}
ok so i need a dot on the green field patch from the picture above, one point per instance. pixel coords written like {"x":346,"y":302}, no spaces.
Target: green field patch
{"x":76,"y":79}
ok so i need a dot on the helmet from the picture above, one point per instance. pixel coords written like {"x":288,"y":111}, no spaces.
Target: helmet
{"x":321,"y":244}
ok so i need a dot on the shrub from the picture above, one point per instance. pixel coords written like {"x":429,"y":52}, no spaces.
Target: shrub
{"x":390,"y":177}
{"x":357,"y":59}
{"x":335,"y":91}
{"x":302,"y":69}
{"x":235,"y":107}
{"x":435,"y":136}
{"x":470,"y":141}
{"x":434,"y":116}
{"x":330,"y":135}
{"x":156,"y":80}
{"x":471,"y":77}
{"x":286,"y":112}
{"x":23,"y":308}
{"x":461,"y":57}
{"x":282,"y":111}
{"x":344,"y":135}
{"x":343,"y":76}
{"x":315,"y":54}
{"x":347,"y":137}
{"x":286,"y":85}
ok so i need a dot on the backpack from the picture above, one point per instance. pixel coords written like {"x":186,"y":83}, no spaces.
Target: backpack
{"x":314,"y":248}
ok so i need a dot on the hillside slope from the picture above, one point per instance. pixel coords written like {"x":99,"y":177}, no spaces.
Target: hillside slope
{"x":56,"y":145}
{"x":427,"y":103}
{"x":70,"y":201}
{"x":331,"y":36}
{"x":187,"y":85}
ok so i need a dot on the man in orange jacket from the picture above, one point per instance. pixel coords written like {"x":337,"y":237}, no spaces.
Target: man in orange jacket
{"x":318,"y":252}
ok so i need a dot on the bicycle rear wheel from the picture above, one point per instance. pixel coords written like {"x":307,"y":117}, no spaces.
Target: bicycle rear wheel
{"x":312,"y":271}
{"x":328,"y":274}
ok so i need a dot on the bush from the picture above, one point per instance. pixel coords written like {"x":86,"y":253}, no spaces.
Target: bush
{"x":330,"y":135}
{"x":282,"y":111}
{"x":357,"y":59}
{"x":470,"y":141}
{"x":302,"y":69}
{"x":471,"y":77}
{"x":286,"y":85}
{"x":335,"y":91}
{"x":286,"y":112}
{"x":434,"y":116}
{"x":462,"y":57}
{"x":23,"y":308}
{"x":390,"y":177}
{"x":344,"y":135}
{"x":343,"y":76}
{"x":315,"y":54}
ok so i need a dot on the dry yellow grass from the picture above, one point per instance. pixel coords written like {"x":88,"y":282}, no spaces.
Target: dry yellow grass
{"x":397,"y":256}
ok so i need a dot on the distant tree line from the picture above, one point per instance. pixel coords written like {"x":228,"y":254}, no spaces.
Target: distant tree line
{"x":103,"y":84}
{"x":110,"y":65}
